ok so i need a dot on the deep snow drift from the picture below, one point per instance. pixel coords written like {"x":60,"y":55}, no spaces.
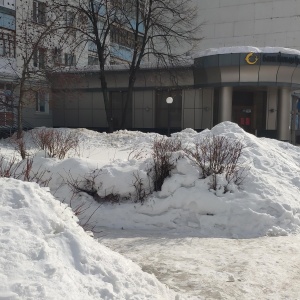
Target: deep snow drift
{"x":267,"y":203}
{"x":45,"y":254}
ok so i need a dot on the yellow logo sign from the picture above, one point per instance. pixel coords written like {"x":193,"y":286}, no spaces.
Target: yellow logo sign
{"x":251,"y":58}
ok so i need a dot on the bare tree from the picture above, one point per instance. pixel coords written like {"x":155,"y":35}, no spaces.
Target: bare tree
{"x":97,"y":18}
{"x":150,"y":29}
{"x":164,"y":32}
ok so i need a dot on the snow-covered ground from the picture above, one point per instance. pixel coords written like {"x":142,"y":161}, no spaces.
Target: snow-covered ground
{"x":202,"y":243}
{"x":215,"y":268}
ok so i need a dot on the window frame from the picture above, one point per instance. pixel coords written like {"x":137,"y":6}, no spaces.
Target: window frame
{"x":70,"y":59}
{"x":57,"y":56}
{"x":8,"y":49}
{"x":39,"y":58}
{"x":69,"y":18}
{"x":39,"y":12}
{"x":41,"y":101}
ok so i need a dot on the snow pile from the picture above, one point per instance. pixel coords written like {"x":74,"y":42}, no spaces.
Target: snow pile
{"x":45,"y":254}
{"x":244,"y":49}
{"x":267,"y":203}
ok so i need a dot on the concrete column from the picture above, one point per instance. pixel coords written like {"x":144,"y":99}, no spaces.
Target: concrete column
{"x":284,"y":110}
{"x":225,"y":104}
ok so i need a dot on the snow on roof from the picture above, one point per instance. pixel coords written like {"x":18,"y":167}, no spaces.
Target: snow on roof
{"x":125,"y":67}
{"x":244,"y":49}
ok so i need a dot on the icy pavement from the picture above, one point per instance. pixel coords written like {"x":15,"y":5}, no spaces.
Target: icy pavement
{"x":215,"y":268}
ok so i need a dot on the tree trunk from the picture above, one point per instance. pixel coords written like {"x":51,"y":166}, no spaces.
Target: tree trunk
{"x":129,"y":98}
{"x":20,"y":111}
{"x":107,"y":103}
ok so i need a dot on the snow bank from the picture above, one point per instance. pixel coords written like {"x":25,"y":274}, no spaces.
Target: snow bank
{"x":45,"y":254}
{"x":266,"y":204}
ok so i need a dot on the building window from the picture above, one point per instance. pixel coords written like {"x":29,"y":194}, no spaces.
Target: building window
{"x":39,"y":12}
{"x":41,"y":102}
{"x":127,"y":7}
{"x":57,"y":56}
{"x":70,"y":18}
{"x":93,"y":60}
{"x":124,"y":37}
{"x":7,"y":45}
{"x":99,"y":7}
{"x":6,"y":98}
{"x":70,"y":59}
{"x":7,"y":21}
{"x":92,"y":54}
{"x":39,"y":57}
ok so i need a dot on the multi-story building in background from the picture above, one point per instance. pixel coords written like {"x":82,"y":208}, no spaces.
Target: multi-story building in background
{"x":242,"y":72}
{"x":17,"y":22}
{"x":7,"y":56}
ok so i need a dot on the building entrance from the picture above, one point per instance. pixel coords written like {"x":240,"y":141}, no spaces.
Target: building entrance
{"x":243,"y":116}
{"x":249,"y":110}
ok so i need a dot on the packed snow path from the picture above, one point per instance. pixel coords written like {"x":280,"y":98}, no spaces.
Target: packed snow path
{"x":214,"y":268}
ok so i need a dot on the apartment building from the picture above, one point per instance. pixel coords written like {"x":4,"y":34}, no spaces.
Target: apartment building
{"x":22,"y":43}
{"x":7,"y":55}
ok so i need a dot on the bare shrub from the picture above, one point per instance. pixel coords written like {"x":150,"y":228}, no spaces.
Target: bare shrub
{"x":137,"y":153}
{"x":39,"y":177}
{"x":141,"y":191}
{"x":19,"y":145}
{"x":163,"y":163}
{"x":22,"y":170}
{"x":111,"y":198}
{"x":8,"y":167}
{"x":216,"y":155}
{"x":85,"y":211}
{"x":55,"y":143}
{"x":40,"y":137}
{"x":88,"y":184}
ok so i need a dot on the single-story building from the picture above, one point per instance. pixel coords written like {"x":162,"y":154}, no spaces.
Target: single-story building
{"x":255,"y":87}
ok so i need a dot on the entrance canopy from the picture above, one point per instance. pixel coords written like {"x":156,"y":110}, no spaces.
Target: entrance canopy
{"x":248,"y":66}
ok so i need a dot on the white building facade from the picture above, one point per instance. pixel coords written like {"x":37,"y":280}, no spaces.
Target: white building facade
{"x":258,"y":23}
